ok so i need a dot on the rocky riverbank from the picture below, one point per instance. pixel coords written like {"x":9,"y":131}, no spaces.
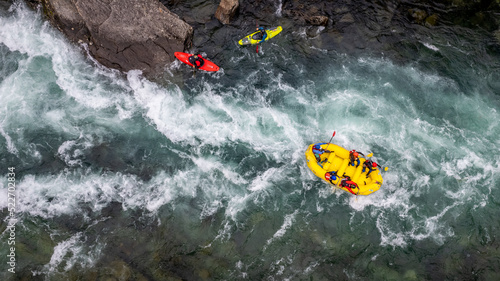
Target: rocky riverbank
{"x":144,"y":34}
{"x":125,"y":35}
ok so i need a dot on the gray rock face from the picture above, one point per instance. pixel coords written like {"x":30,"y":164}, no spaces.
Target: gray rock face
{"x":226,"y":10}
{"x":123,"y":34}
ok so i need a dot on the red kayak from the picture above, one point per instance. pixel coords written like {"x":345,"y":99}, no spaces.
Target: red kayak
{"x":208,"y":65}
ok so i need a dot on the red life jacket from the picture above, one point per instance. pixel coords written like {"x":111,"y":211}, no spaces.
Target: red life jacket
{"x":347,"y":184}
{"x":350,"y":190}
{"x":198,"y":62}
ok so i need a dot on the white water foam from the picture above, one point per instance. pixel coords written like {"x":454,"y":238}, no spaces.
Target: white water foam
{"x":364,"y":112}
{"x":279,"y":9}
{"x":49,"y":197}
{"x":287,"y":223}
{"x":53,"y":88}
{"x":430,"y":46}
{"x":4,"y":196}
{"x":24,"y":32}
{"x":214,"y":119}
{"x":72,"y":151}
{"x":10,"y":144}
{"x":417,"y":139}
{"x":70,"y":252}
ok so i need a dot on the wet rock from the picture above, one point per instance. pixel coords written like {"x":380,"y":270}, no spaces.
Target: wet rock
{"x":204,"y":274}
{"x":314,"y":31}
{"x":317,"y":20}
{"x":431,"y":20}
{"x":341,"y":10}
{"x":307,"y":13}
{"x":306,"y":18}
{"x":119,"y":270}
{"x":421,"y":17}
{"x":347,"y":18}
{"x":33,"y":3}
{"x":226,"y":10}
{"x":125,"y":35}
{"x":296,"y":15}
{"x":418,"y":15}
{"x":105,"y":157}
{"x":497,"y":35}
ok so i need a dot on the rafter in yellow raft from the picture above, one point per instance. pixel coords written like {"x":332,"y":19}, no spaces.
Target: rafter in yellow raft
{"x":336,"y":159}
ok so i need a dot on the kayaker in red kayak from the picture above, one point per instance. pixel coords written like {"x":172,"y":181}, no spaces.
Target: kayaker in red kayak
{"x":196,"y":60}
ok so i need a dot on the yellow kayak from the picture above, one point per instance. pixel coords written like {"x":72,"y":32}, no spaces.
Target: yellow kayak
{"x":337,"y":160}
{"x":254,"y":38}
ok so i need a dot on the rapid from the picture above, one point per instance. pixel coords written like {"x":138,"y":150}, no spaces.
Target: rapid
{"x":204,"y":177}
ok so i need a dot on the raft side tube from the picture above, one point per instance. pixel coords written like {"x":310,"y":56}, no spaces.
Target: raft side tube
{"x":329,"y":162}
{"x":368,"y":189}
{"x":313,"y":164}
{"x":343,"y":167}
{"x":358,"y":171}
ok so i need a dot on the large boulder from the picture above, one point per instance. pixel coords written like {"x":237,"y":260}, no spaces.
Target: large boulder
{"x":317,"y":20}
{"x":125,"y":34}
{"x":226,"y":10}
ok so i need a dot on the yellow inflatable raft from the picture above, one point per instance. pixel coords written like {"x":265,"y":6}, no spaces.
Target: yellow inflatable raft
{"x":337,"y":160}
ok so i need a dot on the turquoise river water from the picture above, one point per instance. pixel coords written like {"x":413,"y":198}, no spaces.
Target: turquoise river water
{"x":204,"y":178}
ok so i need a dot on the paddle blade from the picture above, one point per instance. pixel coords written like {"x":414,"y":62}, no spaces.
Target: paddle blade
{"x":386,"y":168}
{"x":333,"y":134}
{"x":257,"y":50}
{"x":370,"y":155}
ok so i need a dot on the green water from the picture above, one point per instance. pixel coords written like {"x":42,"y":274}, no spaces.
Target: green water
{"x":204,"y":178}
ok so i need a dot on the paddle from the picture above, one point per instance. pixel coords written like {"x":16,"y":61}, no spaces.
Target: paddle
{"x":257,"y":25}
{"x":330,"y":140}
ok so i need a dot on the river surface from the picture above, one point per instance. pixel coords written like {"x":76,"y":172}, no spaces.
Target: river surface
{"x":204,"y":177}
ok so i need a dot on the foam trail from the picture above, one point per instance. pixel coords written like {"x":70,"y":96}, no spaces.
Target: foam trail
{"x":69,"y":253}
{"x":289,"y":219}
{"x":211,"y":118}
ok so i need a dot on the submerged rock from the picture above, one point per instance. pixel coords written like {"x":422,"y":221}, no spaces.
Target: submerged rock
{"x":421,"y":17}
{"x":347,"y":18}
{"x":418,"y":15}
{"x":317,"y":20}
{"x":226,"y":10}
{"x":431,"y":20}
{"x":126,"y":34}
